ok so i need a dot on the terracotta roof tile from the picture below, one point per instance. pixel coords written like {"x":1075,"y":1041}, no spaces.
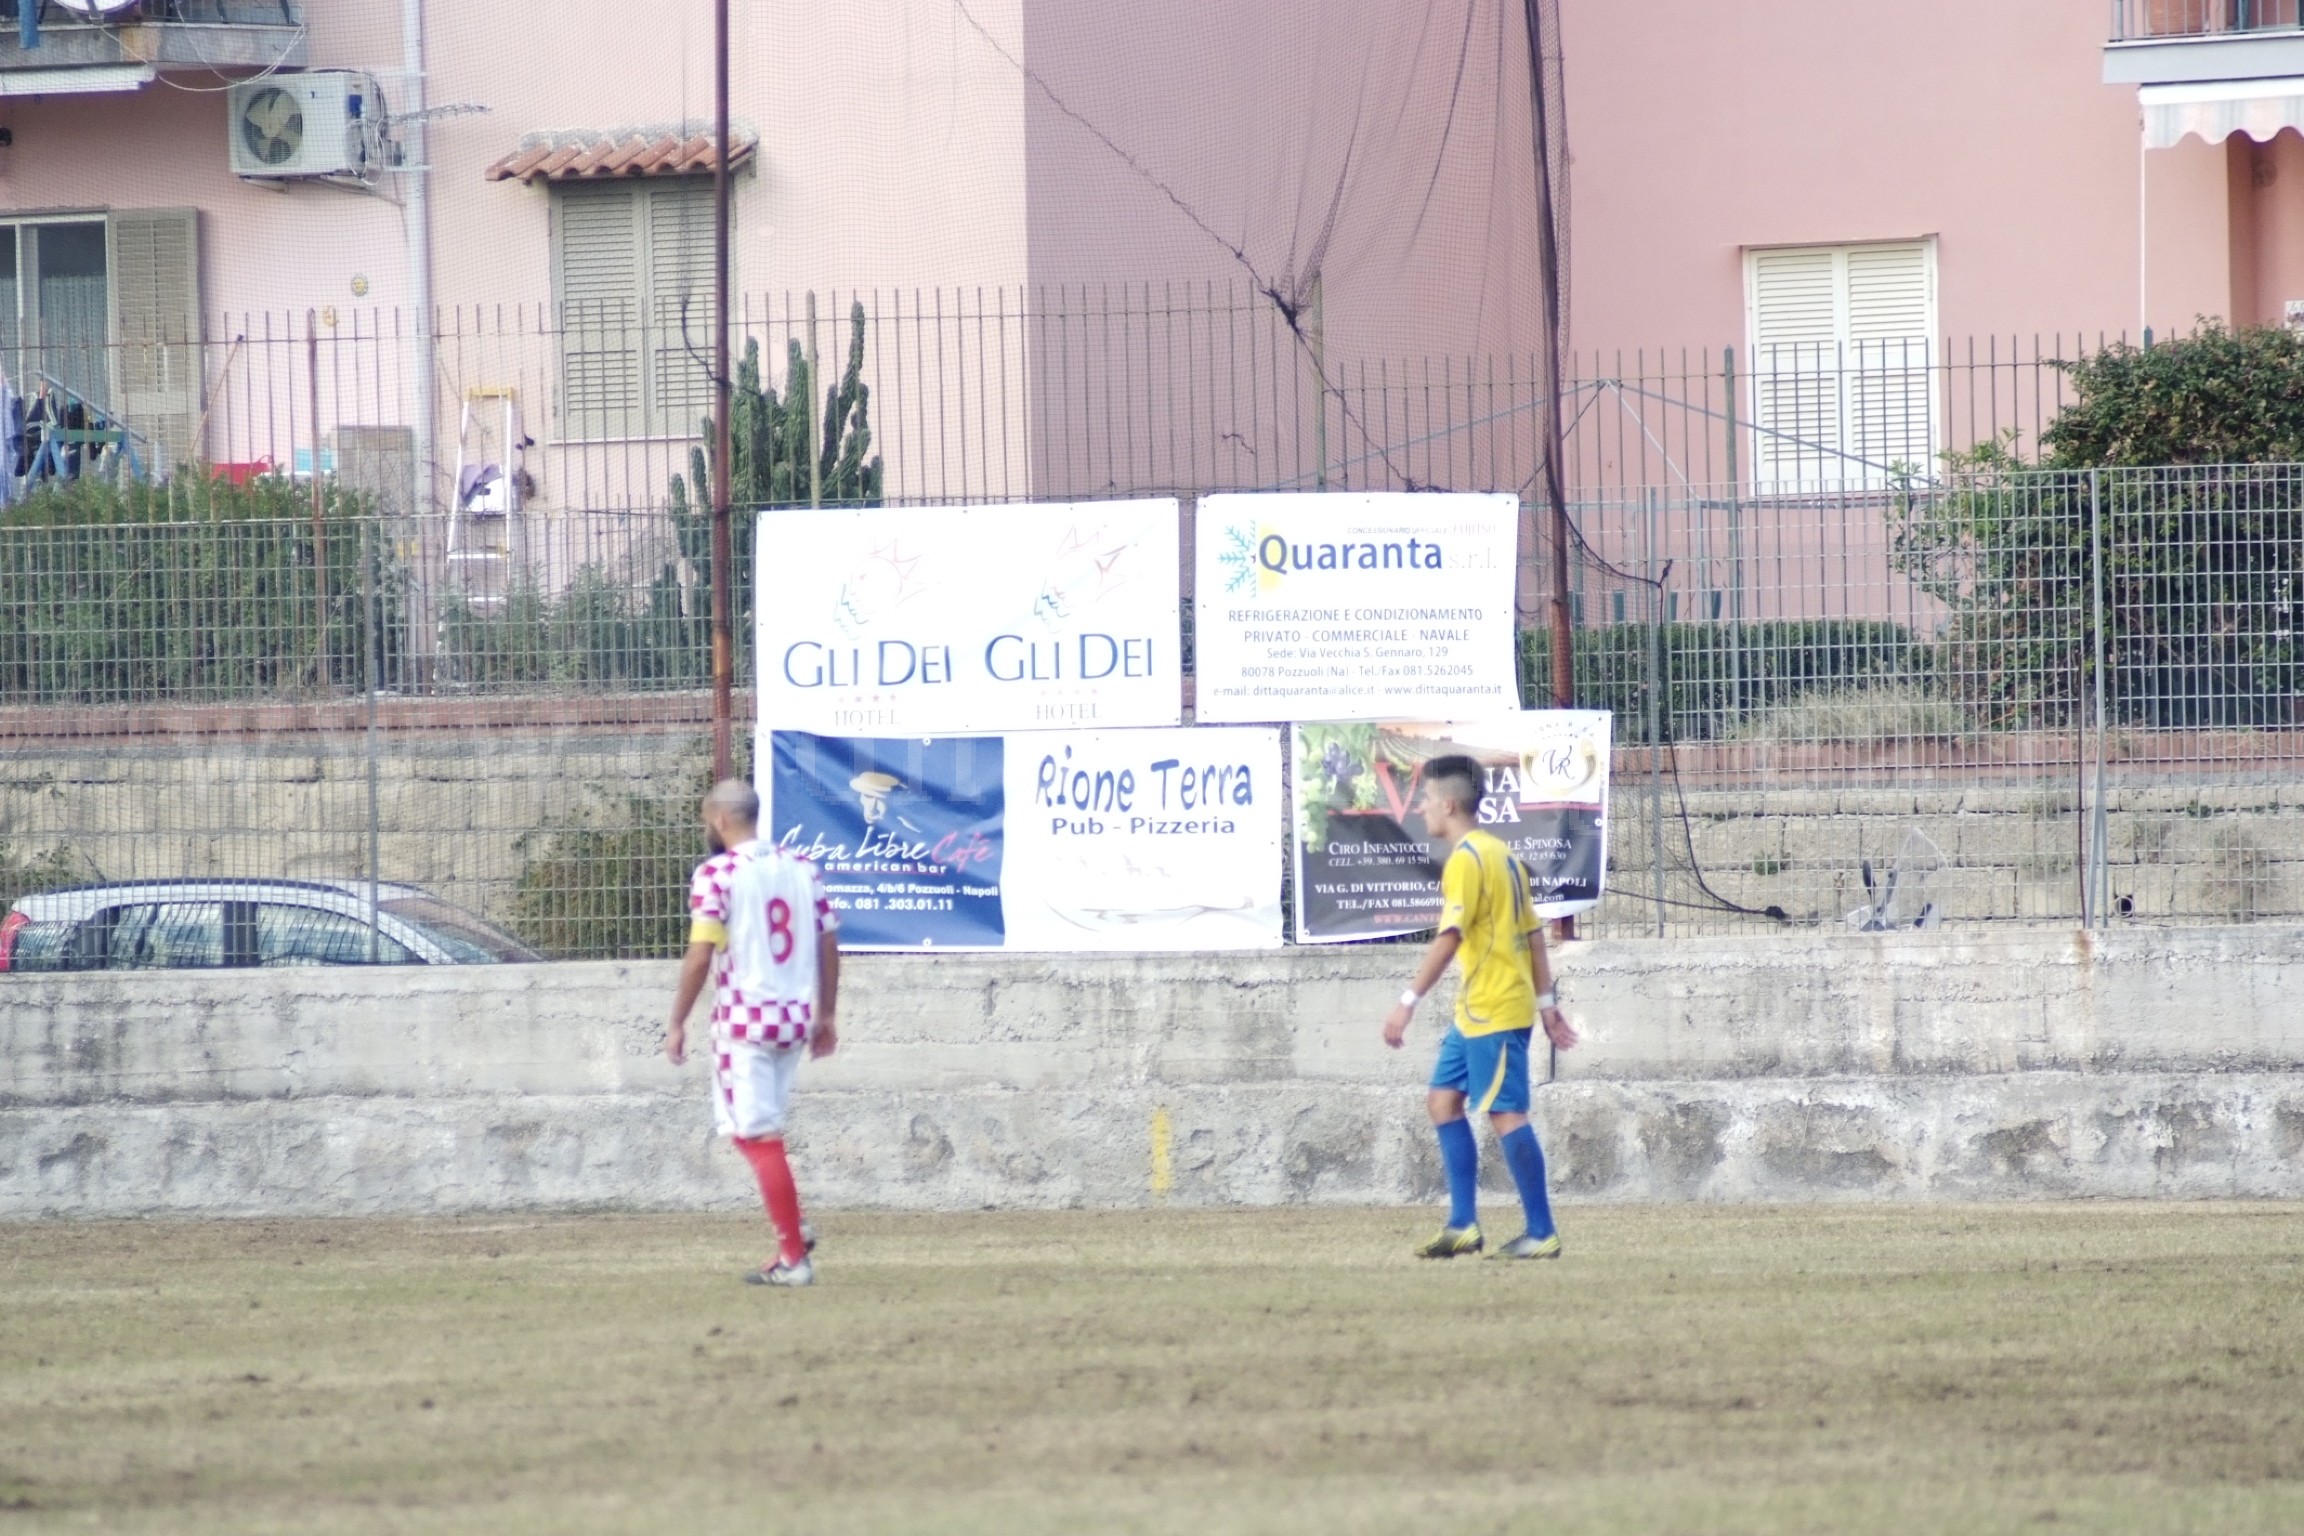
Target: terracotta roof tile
{"x":616,"y":155}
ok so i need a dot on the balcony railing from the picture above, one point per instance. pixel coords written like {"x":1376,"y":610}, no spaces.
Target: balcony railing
{"x":122,"y":51}
{"x":2147,"y":20}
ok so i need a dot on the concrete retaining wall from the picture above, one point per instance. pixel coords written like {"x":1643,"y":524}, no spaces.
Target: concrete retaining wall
{"x":2014,"y":1064}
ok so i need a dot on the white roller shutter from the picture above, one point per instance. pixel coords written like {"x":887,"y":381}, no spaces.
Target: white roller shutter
{"x":597,"y":265}
{"x":680,"y":302}
{"x":634,"y":266}
{"x":153,"y":255}
{"x":1841,"y":346}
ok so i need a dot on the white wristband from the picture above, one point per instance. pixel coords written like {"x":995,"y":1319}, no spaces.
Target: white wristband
{"x":1410,"y":998}
{"x":1548,"y":999}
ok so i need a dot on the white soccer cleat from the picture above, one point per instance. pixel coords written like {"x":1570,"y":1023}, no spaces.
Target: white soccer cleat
{"x":802,"y":1273}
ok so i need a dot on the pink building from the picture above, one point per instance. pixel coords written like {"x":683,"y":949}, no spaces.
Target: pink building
{"x":1085,"y":234}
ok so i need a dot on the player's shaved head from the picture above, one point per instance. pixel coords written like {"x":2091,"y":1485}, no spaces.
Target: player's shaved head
{"x":734,"y":802}
{"x":1456,"y":779}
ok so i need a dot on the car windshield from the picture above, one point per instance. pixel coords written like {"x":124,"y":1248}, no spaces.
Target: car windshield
{"x":468,"y":940}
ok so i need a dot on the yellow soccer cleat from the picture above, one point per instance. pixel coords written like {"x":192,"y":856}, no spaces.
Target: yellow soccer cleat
{"x":1452,"y":1242}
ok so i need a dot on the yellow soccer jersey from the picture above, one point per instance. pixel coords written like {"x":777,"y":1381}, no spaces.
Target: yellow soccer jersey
{"x":1484,"y":897}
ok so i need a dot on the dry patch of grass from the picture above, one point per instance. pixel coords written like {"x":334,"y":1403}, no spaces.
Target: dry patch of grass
{"x":1685,"y":1369}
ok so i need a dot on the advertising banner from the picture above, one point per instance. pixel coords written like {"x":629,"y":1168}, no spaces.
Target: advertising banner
{"x":1373,"y":605}
{"x":1044,"y":840}
{"x":1367,"y":867}
{"x":936,"y":621}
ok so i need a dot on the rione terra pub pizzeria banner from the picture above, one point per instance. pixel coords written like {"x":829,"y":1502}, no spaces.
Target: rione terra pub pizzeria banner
{"x":1043,"y":840}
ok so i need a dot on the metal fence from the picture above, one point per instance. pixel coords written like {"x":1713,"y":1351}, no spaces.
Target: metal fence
{"x":2031,"y":696}
{"x":2139,"y":20}
{"x":1004,"y":393}
{"x":2075,"y":696}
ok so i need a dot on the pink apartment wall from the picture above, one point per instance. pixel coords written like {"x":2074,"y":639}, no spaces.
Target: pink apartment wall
{"x":2266,"y":184}
{"x":1700,"y":129}
{"x":891,"y":148}
{"x":891,"y":143}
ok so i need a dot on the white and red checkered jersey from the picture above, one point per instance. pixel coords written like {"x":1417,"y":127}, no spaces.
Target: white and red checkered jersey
{"x":765,"y":907}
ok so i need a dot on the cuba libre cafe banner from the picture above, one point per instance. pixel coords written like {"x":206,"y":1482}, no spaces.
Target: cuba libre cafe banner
{"x":935,"y":621}
{"x":1048,"y":840}
{"x":1368,"y":867}
{"x":1377,"y":605}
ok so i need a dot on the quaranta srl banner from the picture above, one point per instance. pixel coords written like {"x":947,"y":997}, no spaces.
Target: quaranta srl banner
{"x":931,"y":621}
{"x":1046,"y":840}
{"x":1368,"y":867}
{"x":1373,"y":605}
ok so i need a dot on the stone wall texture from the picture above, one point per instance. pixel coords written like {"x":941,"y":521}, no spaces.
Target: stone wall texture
{"x":2019,"y":1063}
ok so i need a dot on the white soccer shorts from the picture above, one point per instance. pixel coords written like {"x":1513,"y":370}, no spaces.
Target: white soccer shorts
{"x":752,"y":1087}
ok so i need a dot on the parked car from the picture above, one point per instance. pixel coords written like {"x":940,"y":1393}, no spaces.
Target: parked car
{"x":168,"y":924}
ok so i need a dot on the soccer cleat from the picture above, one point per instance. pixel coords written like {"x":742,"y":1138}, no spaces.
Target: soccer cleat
{"x":802,"y":1273}
{"x":1452,"y":1242}
{"x":807,"y":1237}
{"x":1526,"y":1247}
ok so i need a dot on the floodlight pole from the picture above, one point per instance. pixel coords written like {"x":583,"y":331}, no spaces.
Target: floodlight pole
{"x":723,"y":555}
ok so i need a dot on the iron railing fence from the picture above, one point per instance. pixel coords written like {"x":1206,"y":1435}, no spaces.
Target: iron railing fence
{"x":2083,"y":690}
{"x":992,"y":394}
{"x":2068,"y":696}
{"x":2139,"y":20}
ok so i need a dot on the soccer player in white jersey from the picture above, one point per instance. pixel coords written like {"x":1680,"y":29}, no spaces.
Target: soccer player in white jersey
{"x":761,"y":930}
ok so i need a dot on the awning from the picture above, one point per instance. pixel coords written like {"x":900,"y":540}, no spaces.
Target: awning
{"x":2217,"y":109}
{"x":613,"y":154}
{"x":84,"y":80}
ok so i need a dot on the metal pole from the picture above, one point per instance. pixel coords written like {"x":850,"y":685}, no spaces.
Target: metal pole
{"x":723,"y":599}
{"x":319,"y":530}
{"x":1655,"y":703}
{"x":1735,"y":540}
{"x":422,"y":365}
{"x":1548,"y":291}
{"x":1317,"y":334}
{"x":815,"y":413}
{"x":2080,"y":818}
{"x":2100,"y":834}
{"x":369,"y":664}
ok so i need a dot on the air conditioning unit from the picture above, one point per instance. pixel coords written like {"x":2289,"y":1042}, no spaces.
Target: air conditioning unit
{"x":328,"y":122}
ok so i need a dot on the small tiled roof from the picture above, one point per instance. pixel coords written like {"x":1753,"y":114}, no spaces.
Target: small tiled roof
{"x":607,"y":156}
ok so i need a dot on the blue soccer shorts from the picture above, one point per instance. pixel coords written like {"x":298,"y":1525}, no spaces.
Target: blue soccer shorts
{"x":1491,"y":1071}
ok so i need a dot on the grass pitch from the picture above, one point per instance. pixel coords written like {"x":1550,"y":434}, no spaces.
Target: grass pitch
{"x":1684,"y":1369}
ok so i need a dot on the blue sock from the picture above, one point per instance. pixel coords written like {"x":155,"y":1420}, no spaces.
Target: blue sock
{"x":1460,"y":1155}
{"x":1526,"y":1160}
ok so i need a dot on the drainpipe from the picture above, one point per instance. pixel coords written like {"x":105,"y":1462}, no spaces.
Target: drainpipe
{"x":419,"y":224}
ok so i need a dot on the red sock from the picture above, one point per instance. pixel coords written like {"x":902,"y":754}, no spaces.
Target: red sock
{"x":778,"y":1192}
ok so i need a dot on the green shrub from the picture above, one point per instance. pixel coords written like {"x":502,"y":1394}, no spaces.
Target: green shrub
{"x":596,"y":632}
{"x":194,"y":590}
{"x":609,"y":878}
{"x":23,"y":873}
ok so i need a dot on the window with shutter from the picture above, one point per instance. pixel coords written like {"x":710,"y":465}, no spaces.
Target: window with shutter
{"x":633,"y":267}
{"x":680,"y":296}
{"x":1841,"y":344}
{"x":154,"y":255}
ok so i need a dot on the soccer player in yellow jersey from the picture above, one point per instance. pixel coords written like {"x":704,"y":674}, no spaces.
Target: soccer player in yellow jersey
{"x":1488,"y":926}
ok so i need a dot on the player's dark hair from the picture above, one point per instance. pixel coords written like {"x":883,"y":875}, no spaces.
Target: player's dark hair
{"x":1458,"y":778}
